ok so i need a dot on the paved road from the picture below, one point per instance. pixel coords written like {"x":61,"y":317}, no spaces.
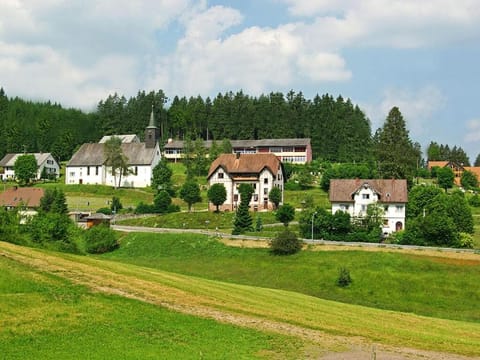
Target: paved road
{"x":308,"y":241}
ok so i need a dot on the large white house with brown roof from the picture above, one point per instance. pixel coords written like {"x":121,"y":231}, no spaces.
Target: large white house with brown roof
{"x":354,"y":196}
{"x":296,"y":151}
{"x":87,"y":165}
{"x":262,"y":171}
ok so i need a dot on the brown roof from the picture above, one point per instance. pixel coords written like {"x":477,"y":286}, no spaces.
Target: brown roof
{"x":474,"y":169}
{"x":390,"y":190}
{"x":92,"y":154}
{"x":23,"y":195}
{"x":432,"y":164}
{"x":245,"y":163}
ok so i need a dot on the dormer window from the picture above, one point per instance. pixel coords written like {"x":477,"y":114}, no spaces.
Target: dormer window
{"x":365,"y":196}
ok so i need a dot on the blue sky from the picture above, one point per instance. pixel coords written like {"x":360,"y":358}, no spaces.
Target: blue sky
{"x":421,"y":56}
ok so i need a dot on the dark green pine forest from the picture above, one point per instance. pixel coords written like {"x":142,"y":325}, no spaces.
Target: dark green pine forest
{"x":339,"y":130}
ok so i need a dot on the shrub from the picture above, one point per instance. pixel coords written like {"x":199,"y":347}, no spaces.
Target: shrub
{"x":465,"y":241}
{"x":143,"y":208}
{"x":105,"y":210}
{"x":286,"y":243}
{"x":474,"y":201}
{"x":100,"y":239}
{"x":344,"y":279}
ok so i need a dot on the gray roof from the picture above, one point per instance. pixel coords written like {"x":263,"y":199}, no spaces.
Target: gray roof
{"x":9,"y":159}
{"x":178,"y":144}
{"x":92,"y":154}
{"x":127,"y":138}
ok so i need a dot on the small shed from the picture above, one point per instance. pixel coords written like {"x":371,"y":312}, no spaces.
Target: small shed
{"x":97,"y":219}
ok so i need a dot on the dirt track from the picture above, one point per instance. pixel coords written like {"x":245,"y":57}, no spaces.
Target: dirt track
{"x":123,"y":284}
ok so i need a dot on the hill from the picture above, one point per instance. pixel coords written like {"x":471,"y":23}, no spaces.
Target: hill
{"x":326,"y":325}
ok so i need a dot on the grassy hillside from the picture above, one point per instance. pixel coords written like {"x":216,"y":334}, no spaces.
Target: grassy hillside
{"x":325,"y":323}
{"x":430,"y":286}
{"x":46,"y":317}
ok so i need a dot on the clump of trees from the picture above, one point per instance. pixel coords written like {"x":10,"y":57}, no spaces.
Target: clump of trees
{"x":436,"y":218}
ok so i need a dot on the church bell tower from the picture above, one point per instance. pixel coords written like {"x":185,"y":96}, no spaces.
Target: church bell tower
{"x":152,"y":133}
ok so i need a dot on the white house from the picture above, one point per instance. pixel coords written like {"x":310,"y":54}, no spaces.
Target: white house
{"x":44,"y":161}
{"x":262,"y":171}
{"x":87,"y":165}
{"x":354,"y":196}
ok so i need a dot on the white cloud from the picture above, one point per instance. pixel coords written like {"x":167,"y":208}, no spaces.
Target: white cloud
{"x":417,"y":107}
{"x":473,"y":128}
{"x":391,"y":23}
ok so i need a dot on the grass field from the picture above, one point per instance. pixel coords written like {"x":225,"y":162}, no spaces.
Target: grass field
{"x":58,"y":319}
{"x":430,"y":286}
{"x":47,"y":317}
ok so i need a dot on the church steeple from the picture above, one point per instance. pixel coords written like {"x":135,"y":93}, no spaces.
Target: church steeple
{"x":152,"y":132}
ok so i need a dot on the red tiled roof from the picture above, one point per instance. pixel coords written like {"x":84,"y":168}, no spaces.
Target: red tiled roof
{"x":27,"y":196}
{"x":390,"y":190}
{"x":246,"y":163}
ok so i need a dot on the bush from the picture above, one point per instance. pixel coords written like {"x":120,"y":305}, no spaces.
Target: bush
{"x":465,"y":241}
{"x":474,"y":201}
{"x":100,"y":239}
{"x":292,"y":186}
{"x":143,"y":208}
{"x":285,"y":243}
{"x":105,"y":210}
{"x":344,"y":279}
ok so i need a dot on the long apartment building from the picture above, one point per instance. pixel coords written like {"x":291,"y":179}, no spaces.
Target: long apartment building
{"x":296,"y":151}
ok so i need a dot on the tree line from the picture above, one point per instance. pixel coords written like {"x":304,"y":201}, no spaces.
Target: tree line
{"x":339,"y":130}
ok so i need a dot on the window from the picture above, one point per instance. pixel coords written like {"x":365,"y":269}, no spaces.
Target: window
{"x":365,"y":196}
{"x":265,"y":180}
{"x":399,"y":208}
{"x":255,"y":197}
{"x":136,"y":170}
{"x":72,"y":173}
{"x":265,"y":191}
{"x":235,"y":197}
{"x":385,"y":222}
{"x":385,"y":208}
{"x":364,"y":207}
{"x":220,"y":175}
{"x":88,"y":170}
{"x":96,"y":170}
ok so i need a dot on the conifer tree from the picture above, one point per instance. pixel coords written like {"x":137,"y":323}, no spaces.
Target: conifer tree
{"x":243,"y":221}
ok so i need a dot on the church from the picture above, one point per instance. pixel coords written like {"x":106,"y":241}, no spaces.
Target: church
{"x":88,"y":164}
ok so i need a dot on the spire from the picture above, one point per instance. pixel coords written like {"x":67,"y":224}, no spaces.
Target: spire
{"x":151,"y":124}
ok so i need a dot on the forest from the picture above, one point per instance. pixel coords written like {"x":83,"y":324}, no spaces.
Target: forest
{"x":339,"y":130}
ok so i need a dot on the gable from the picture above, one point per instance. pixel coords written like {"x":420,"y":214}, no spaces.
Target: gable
{"x":246,"y":164}
{"x":388,"y":190}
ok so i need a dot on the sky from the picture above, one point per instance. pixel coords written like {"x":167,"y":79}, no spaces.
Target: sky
{"x":421,"y":56}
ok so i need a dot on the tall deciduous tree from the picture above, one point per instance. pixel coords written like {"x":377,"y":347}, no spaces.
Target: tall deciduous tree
{"x":396,"y":155}
{"x":162,"y":177}
{"x":115,"y":159}
{"x":445,"y":177}
{"x":190,"y":193}
{"x":217,"y":194}
{"x":25,"y":168}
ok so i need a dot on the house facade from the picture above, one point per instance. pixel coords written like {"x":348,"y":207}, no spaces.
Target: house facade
{"x":355,"y":195}
{"x":297,"y":151}
{"x":88,"y":164}
{"x":457,"y":169}
{"x":45,"y":162}
{"x":262,"y":171}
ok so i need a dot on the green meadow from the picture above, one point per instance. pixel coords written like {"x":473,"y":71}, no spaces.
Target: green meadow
{"x":44,"y":316}
{"x":412,"y":283}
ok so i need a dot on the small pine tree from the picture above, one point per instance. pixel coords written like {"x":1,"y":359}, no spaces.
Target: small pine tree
{"x":344,"y":279}
{"x":258,"y":224}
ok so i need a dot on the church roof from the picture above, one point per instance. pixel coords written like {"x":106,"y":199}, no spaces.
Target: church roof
{"x":92,"y":154}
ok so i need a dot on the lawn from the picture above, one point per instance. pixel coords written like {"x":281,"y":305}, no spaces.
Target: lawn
{"x":430,"y":286}
{"x":55,"y":319}
{"x":46,"y":317}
